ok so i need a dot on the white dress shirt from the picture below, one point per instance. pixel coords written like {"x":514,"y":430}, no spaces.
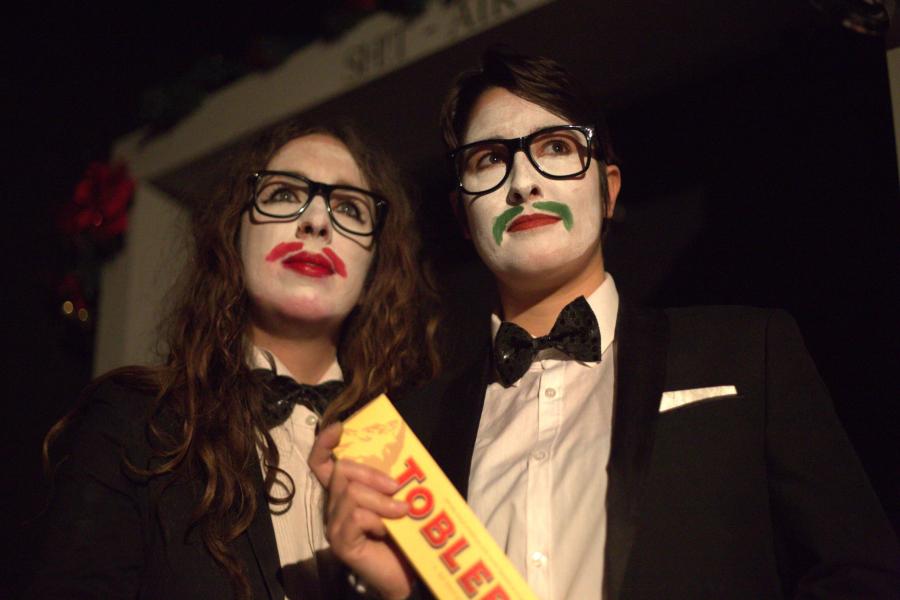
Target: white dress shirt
{"x":538,"y":479}
{"x":299,"y":528}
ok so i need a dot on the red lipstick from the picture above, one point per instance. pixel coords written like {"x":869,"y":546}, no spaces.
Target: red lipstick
{"x":282,"y":249}
{"x":309,"y":264}
{"x":523,"y":222}
{"x":339,"y":267}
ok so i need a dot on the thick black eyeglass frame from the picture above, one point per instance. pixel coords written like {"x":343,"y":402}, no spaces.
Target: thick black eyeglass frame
{"x":513,"y":145}
{"x":317,"y":188}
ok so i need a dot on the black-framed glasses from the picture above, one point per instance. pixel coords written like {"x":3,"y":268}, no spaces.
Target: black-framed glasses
{"x":557,"y":152}
{"x":285,"y":195}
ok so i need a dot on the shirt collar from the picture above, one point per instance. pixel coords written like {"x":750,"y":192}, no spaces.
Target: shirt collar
{"x":260,"y":358}
{"x":604,"y":302}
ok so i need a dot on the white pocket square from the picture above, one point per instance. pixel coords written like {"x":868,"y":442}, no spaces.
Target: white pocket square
{"x":678,"y":398}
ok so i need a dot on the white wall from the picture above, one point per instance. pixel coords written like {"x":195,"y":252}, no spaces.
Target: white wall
{"x":134,"y":285}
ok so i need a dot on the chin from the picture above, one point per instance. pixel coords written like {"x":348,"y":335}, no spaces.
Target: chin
{"x":532,"y":262}
{"x":309,"y":307}
{"x":539,"y":269}
{"x":316,"y":308}
{"x":533,"y":274}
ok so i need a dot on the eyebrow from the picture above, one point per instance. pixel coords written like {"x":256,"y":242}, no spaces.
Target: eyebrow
{"x":497,"y":136}
{"x":342,"y":181}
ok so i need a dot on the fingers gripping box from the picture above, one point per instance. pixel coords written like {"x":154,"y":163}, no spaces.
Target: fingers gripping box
{"x":441,"y":536}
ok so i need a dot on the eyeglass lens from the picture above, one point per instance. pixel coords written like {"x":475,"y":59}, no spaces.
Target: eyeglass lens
{"x":555,"y":152}
{"x":281,"y":196}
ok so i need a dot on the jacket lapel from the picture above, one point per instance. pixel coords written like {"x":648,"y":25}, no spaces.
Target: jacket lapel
{"x":262,"y":541}
{"x":458,"y":418}
{"x":641,"y":345}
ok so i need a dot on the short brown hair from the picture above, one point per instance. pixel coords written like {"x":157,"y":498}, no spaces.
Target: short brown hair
{"x":538,"y":79}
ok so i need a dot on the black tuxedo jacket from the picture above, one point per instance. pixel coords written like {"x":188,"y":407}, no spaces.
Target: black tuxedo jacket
{"x":754,"y":496}
{"x":109,"y":534}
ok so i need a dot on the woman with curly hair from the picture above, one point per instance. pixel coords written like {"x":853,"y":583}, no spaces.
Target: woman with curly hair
{"x":303,"y":300}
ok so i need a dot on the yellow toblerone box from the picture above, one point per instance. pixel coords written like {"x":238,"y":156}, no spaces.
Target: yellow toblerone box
{"x":441,"y":536}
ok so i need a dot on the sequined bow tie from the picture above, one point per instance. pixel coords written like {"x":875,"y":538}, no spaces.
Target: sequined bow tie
{"x":283,"y":392}
{"x":575,"y":333}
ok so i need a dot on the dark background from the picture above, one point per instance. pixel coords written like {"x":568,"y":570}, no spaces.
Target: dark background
{"x":765,"y":179}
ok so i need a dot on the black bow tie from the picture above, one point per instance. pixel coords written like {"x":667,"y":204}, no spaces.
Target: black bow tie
{"x":575,"y":333}
{"x":283,"y":392}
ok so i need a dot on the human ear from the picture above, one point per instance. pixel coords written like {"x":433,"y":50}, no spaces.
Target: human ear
{"x":613,"y":186}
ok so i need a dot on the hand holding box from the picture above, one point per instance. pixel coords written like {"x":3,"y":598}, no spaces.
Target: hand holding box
{"x":449,"y":548}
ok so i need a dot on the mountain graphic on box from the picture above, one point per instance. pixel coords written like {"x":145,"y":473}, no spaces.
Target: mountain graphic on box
{"x":377,"y":445}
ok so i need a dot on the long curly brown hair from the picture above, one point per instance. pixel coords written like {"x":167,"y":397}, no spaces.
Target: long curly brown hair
{"x":206,"y":420}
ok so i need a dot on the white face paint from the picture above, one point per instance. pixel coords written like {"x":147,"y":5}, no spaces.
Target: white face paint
{"x":535,"y":245}
{"x":306,"y":270}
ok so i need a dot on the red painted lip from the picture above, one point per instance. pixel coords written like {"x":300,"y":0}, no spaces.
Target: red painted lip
{"x":282,"y":249}
{"x":523,"y":222}
{"x":309,"y":264}
{"x":339,"y":267}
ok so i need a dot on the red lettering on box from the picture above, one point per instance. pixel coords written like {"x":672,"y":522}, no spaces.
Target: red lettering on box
{"x":498,"y":593}
{"x":412,"y":472}
{"x":448,"y":556}
{"x":474,"y":577}
{"x":438,"y":530}
{"x":423,"y":497}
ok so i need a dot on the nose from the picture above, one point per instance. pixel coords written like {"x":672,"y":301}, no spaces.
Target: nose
{"x":314,"y":222}
{"x":524,"y":180}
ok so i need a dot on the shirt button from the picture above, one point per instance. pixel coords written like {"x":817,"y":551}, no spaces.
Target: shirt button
{"x":538,"y":455}
{"x":550,"y":392}
{"x":538,"y":559}
{"x":311,"y":420}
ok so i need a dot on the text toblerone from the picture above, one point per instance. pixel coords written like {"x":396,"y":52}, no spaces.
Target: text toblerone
{"x":441,"y":536}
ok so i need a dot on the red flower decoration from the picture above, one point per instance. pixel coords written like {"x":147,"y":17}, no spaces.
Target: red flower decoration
{"x":99,"y":206}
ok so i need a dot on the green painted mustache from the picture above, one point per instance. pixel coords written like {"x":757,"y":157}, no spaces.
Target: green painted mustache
{"x":503,"y":220}
{"x":557,"y":208}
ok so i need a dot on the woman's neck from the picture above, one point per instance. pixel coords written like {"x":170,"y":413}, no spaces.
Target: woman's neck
{"x":536,"y":309}
{"x":306,"y":354}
